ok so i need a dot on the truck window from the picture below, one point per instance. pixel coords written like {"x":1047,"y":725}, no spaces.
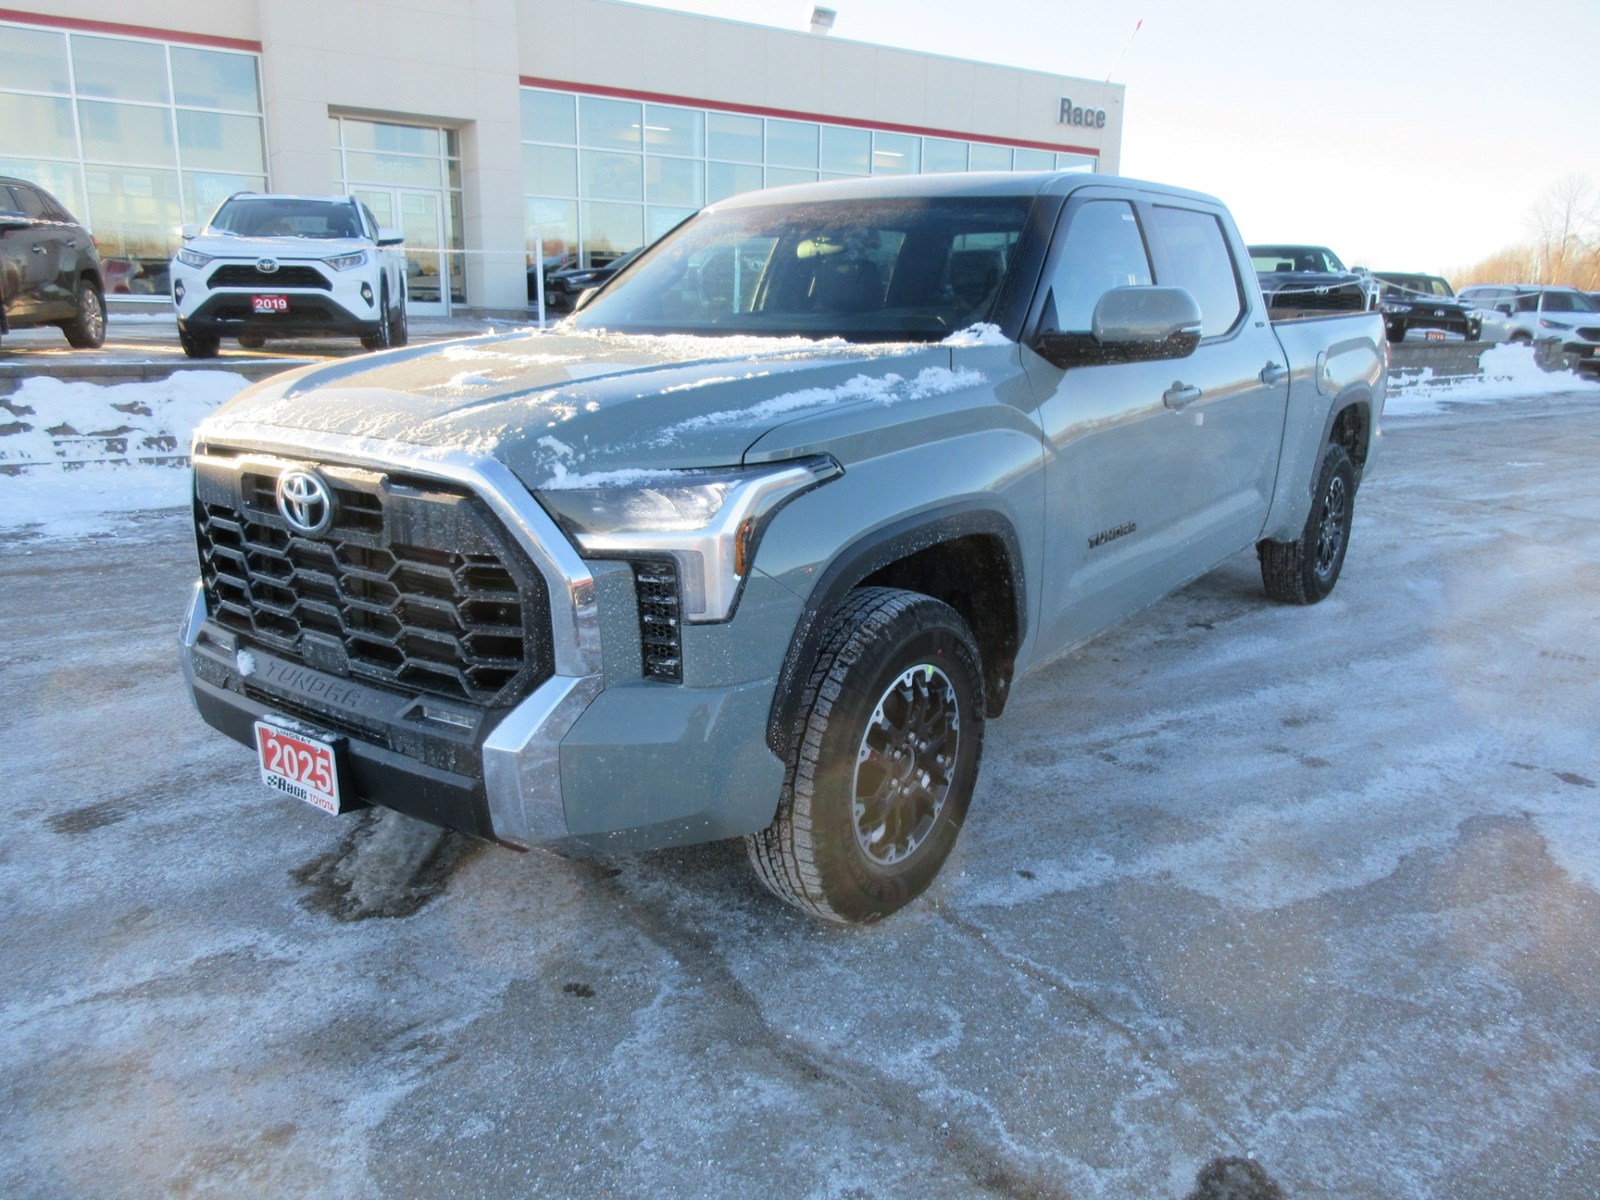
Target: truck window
{"x":1197,"y":250}
{"x":1104,"y":249}
{"x":866,"y":270}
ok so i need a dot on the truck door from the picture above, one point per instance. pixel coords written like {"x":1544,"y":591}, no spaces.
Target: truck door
{"x":1234,"y":388}
{"x":1116,"y":454}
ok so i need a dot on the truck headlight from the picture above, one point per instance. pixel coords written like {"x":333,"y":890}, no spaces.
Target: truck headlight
{"x":1547,"y":323}
{"x":345,"y":262}
{"x":710,"y":521}
{"x":193,"y":258}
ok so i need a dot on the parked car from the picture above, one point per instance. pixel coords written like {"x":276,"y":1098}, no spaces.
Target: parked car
{"x":49,"y":267}
{"x":563,"y":289}
{"x":274,"y":266}
{"x":1308,"y":281}
{"x":758,"y":542}
{"x":1530,"y":312}
{"x":551,"y":266}
{"x":1424,"y":305}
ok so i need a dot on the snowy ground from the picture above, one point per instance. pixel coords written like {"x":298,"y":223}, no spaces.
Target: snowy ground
{"x":1313,"y":885}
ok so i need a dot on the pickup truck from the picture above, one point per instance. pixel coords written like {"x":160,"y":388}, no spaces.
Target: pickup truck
{"x":1309,"y":281}
{"x":756,"y":542}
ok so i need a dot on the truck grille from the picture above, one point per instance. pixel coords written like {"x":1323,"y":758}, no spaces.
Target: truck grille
{"x":415,"y":585}
{"x":656,"y":584}
{"x":241,"y":275}
{"x":1337,"y":298}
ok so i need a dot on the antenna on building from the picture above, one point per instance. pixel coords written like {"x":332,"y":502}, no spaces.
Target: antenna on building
{"x":822,"y":20}
{"x":1137,"y":25}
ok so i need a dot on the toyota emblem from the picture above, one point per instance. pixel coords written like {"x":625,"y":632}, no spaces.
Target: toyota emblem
{"x":305,"y":502}
{"x":267,"y":266}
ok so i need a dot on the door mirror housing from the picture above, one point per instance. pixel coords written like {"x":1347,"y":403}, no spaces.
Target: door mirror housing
{"x":390,"y":237}
{"x":189,"y":231}
{"x":1130,"y":324}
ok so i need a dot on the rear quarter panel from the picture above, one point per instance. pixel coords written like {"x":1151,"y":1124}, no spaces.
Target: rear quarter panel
{"x":1335,"y":363}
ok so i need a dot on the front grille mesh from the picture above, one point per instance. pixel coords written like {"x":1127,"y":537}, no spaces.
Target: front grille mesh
{"x":656,"y":584}
{"x":240,"y":275}
{"x":1341,"y":298}
{"x":415,"y":586}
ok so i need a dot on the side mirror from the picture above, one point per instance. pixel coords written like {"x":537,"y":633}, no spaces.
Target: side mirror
{"x":1503,"y":309}
{"x":189,"y":231}
{"x":391,"y":237}
{"x":11,"y":219}
{"x":1130,"y":324}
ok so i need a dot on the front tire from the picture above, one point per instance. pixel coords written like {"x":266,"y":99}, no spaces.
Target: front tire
{"x":199,"y":345}
{"x":878,"y":788}
{"x":399,"y":327}
{"x":382,"y":339}
{"x":1304,"y":571}
{"x":87,"y":330}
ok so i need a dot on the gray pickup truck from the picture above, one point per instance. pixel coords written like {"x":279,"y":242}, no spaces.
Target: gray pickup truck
{"x":755,"y":543}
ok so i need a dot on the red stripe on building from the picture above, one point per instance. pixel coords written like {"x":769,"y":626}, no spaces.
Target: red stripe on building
{"x":139,"y":31}
{"x":592,"y":89}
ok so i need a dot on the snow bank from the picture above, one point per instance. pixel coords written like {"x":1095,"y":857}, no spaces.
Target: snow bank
{"x":65,"y":449}
{"x":54,"y":422}
{"x":1505,"y":372}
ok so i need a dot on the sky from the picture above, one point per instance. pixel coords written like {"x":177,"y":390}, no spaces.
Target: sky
{"x":1408,"y":135}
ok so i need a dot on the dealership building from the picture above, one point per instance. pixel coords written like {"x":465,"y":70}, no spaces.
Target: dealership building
{"x":492,"y":133}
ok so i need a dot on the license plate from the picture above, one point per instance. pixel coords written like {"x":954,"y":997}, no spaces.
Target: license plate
{"x":299,"y":764}
{"x":269,"y":304}
{"x":1434,"y":335}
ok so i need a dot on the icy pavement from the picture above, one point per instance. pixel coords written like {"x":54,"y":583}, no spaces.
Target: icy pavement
{"x":1317,"y":886}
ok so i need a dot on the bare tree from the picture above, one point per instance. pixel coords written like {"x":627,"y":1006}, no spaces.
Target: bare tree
{"x":1565,"y":250}
{"x":1566,"y":226}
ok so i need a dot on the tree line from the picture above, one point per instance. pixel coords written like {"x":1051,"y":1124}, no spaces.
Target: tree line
{"x":1564,"y":248}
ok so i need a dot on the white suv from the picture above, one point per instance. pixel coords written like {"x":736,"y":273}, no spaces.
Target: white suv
{"x":289,"y":266}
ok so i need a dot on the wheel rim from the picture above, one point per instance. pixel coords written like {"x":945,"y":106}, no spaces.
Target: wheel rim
{"x":1330,"y":536}
{"x":94,"y":317}
{"x":905,"y":764}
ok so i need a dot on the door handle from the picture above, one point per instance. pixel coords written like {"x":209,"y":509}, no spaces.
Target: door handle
{"x":37,"y":249}
{"x":1180,"y":395}
{"x":71,"y":245}
{"x":1274,"y":373}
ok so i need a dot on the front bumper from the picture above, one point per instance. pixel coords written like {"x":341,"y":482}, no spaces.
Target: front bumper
{"x":633,"y":765}
{"x":215,"y":300}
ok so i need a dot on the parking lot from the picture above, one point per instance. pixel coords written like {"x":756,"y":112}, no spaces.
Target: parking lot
{"x":1313,"y":887}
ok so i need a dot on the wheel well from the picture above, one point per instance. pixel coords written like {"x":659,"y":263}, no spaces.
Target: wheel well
{"x":1350,"y":430}
{"x":974,"y":576}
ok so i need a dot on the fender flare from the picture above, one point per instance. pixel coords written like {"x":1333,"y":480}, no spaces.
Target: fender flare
{"x":868,"y":554}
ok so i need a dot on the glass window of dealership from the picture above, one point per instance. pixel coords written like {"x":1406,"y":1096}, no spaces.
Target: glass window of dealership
{"x":134,"y":136}
{"x":139,"y":135}
{"x":603,"y":174}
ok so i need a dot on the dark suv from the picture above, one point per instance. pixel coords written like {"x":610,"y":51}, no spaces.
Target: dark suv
{"x":49,"y":267}
{"x":1426,"y":306}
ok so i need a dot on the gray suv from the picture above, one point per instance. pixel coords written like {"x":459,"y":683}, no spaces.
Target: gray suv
{"x":49,"y":267}
{"x":1525,"y":312}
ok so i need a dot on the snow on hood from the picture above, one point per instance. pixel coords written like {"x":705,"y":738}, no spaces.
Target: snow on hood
{"x":555,"y":406}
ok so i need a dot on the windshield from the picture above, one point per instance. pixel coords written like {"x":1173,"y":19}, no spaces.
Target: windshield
{"x":1271,"y":260}
{"x":1397,"y":286}
{"x":1568,"y":302}
{"x":902,"y":269}
{"x":286,"y":217}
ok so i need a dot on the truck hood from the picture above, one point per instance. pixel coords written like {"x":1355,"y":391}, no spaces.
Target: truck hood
{"x":586,"y":409}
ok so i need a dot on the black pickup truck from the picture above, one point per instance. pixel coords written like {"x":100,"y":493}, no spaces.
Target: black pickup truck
{"x":1308,"y":281}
